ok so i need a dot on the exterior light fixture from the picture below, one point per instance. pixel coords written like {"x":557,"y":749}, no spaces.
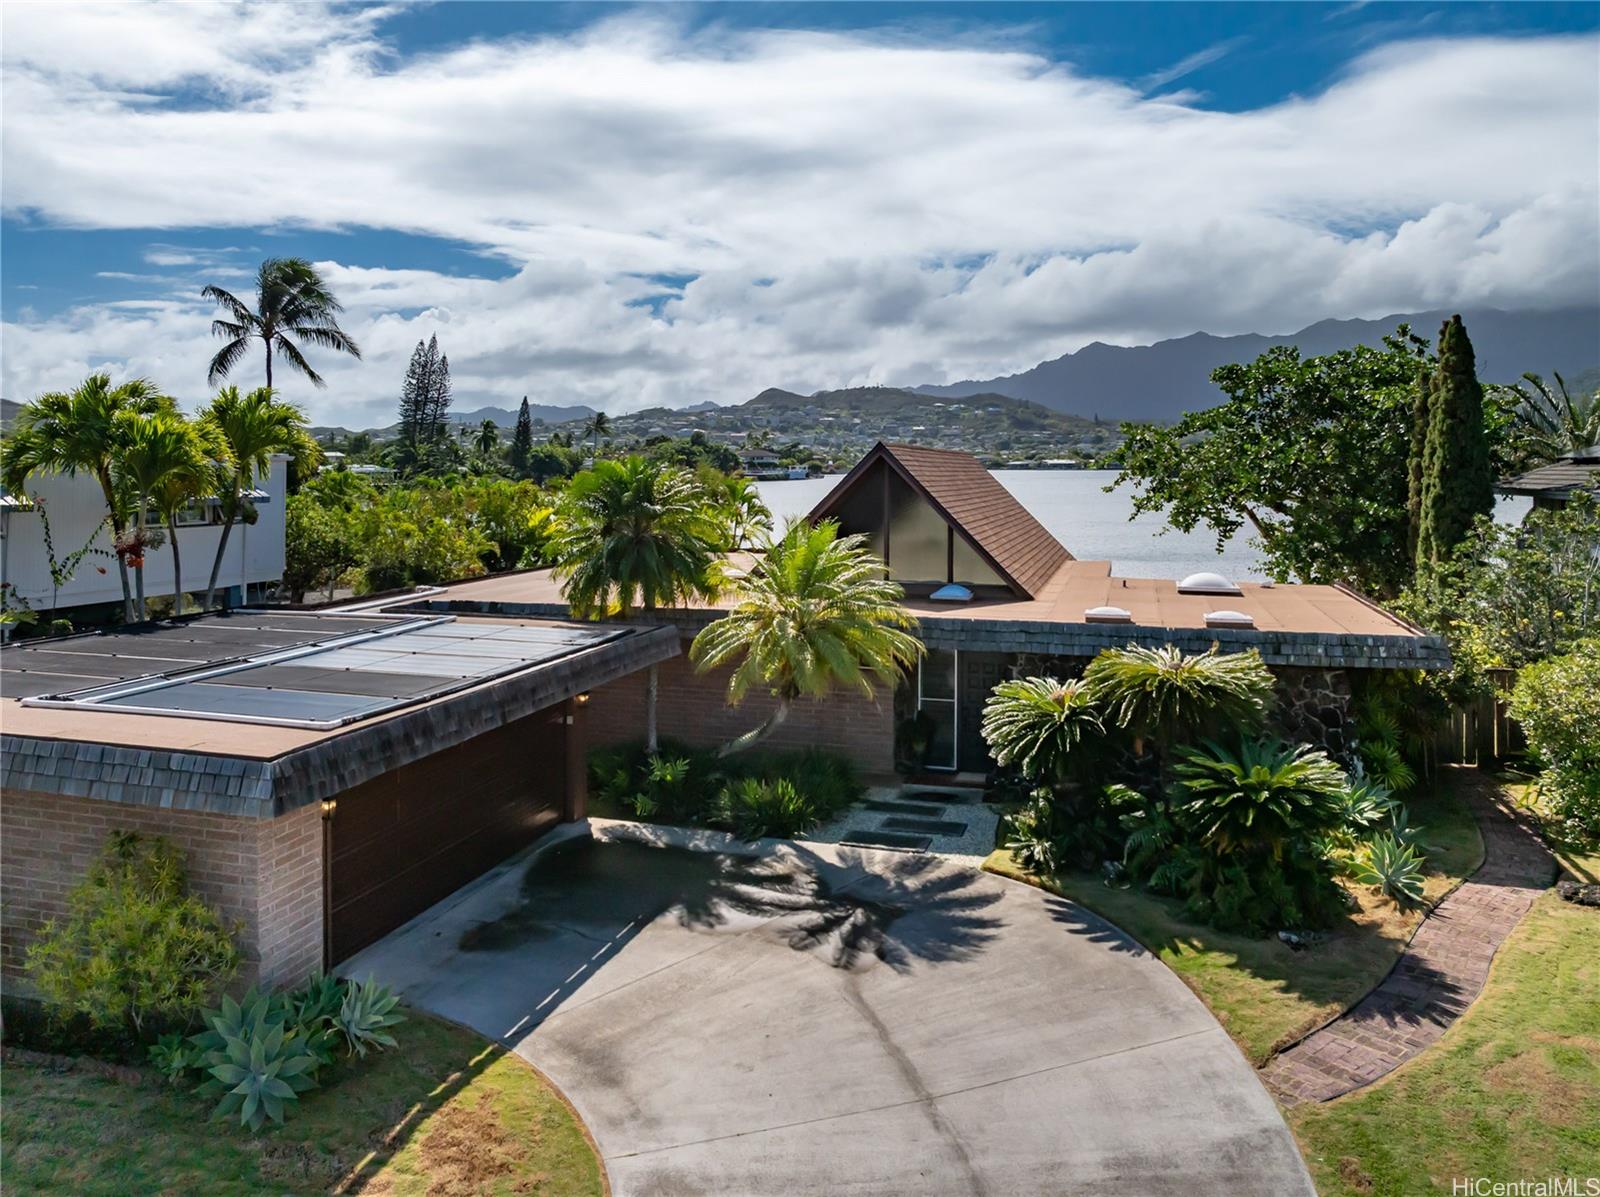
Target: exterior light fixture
{"x":582,"y":699}
{"x":329,"y":805}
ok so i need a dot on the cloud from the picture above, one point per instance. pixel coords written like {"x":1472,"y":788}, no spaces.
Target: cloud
{"x":1192,"y":63}
{"x":849,"y":208}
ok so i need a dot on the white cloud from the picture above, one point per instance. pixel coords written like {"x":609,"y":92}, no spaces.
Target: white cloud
{"x":922,"y":211}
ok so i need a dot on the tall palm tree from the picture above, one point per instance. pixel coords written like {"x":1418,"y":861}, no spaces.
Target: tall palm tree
{"x":814,"y":613}
{"x":1550,"y":422}
{"x":293,"y":305}
{"x":251,"y":428}
{"x":635,"y":533}
{"x":165,"y":461}
{"x":64,"y":432}
{"x":488,"y":437}
{"x":596,"y":426}
{"x":745,"y":516}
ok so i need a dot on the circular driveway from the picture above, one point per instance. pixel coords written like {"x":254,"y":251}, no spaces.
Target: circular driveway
{"x":823,"y":1020}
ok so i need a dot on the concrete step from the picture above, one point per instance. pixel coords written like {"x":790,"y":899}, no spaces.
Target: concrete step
{"x":926,"y":826}
{"x":858,"y":837}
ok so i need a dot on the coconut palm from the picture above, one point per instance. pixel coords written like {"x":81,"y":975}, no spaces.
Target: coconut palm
{"x":635,"y":533}
{"x":1551,"y":422}
{"x":815,"y":612}
{"x":488,"y":437}
{"x":743,"y":513}
{"x":293,"y":305}
{"x":1034,"y":723}
{"x":250,"y":427}
{"x":64,"y":432}
{"x":596,"y":427}
{"x":165,"y":462}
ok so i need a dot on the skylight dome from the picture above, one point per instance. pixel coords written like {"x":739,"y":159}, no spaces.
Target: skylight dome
{"x":1206,"y":582}
{"x":1229,"y":619}
{"x":952,"y":593}
{"x":1108,"y":615}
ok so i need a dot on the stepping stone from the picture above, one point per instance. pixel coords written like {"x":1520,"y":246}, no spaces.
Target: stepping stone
{"x":928,"y":826}
{"x":885,"y":806}
{"x":859,"y":838}
{"x":941,"y":798}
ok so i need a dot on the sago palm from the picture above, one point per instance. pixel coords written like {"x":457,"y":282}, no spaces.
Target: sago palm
{"x":293,"y":305}
{"x":1260,"y":798}
{"x":65,"y":432}
{"x":250,"y":428}
{"x":165,"y":461}
{"x":1173,"y":696}
{"x":1034,"y":723}
{"x":815,"y":612}
{"x":635,"y":533}
{"x":1550,"y":422}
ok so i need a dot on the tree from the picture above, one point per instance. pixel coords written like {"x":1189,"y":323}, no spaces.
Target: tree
{"x":1550,"y":422}
{"x":635,"y":533}
{"x":1457,"y":473}
{"x":165,"y":463}
{"x":418,"y":396}
{"x":293,"y":305}
{"x":1421,"y":416}
{"x":1034,"y":723}
{"x":321,"y":543}
{"x":743,"y":514}
{"x":253,"y":427}
{"x":439,"y":395}
{"x":814,"y":612}
{"x":488,"y":437}
{"x":522,"y":441}
{"x":79,"y":430}
{"x":597,"y":426}
{"x":1310,"y":452}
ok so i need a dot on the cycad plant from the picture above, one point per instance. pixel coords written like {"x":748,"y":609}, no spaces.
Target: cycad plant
{"x":814,"y":612}
{"x":1035,"y":723}
{"x":1550,"y":421}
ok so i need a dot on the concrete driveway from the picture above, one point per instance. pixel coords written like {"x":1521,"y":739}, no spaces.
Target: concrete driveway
{"x":819,"y":1020}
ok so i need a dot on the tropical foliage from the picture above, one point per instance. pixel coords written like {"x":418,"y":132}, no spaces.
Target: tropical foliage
{"x":1035,"y":723}
{"x":293,"y":307}
{"x":1172,"y":697}
{"x":1551,"y":422}
{"x":1557,"y":701}
{"x":814,"y":612}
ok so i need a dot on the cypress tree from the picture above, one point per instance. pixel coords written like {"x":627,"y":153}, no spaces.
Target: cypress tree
{"x":1421,"y":408}
{"x":1457,"y":481}
{"x":522,"y":440}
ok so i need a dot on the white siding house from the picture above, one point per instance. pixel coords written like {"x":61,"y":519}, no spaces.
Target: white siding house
{"x":254,"y":556}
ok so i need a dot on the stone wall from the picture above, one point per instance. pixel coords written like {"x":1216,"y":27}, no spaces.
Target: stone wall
{"x":693,"y":708}
{"x":1316,"y":706}
{"x":266,"y":874}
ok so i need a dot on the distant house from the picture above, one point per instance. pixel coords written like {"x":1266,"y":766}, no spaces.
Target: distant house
{"x":76,"y":510}
{"x":1555,"y":484}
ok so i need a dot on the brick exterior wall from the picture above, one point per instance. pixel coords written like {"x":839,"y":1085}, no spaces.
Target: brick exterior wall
{"x":267,"y":875}
{"x":692,"y":707}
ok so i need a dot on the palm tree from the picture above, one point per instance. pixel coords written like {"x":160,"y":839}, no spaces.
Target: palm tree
{"x":488,"y":437}
{"x":65,"y":432}
{"x":815,"y":612}
{"x":1551,"y":422}
{"x":165,"y":462}
{"x":1035,"y":723}
{"x":293,"y":304}
{"x":596,"y":426}
{"x":251,"y":428}
{"x":744,"y":515}
{"x":1259,"y":799}
{"x":635,"y":533}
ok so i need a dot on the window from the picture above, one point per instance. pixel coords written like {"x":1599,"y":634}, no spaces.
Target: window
{"x":191,"y":513}
{"x":936,"y":698}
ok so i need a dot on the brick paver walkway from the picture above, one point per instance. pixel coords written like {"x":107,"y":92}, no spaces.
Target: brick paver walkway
{"x":1438,"y":975}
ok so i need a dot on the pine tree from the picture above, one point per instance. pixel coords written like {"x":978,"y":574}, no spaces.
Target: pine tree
{"x":415,"y":392}
{"x":438,"y":395}
{"x":522,"y":441}
{"x":1457,"y":480}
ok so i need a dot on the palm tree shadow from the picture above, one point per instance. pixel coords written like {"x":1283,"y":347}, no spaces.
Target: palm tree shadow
{"x":1092,"y":927}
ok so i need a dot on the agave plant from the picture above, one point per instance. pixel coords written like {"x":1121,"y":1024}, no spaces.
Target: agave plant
{"x":366,"y":1015}
{"x":1392,"y":867}
{"x":260,"y":1070}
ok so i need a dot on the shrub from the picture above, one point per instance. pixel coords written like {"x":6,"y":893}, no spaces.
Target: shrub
{"x":1175,"y":697}
{"x":1392,"y":867}
{"x":136,"y":949}
{"x":755,"y":808}
{"x":1037,"y":723}
{"x":1557,"y":702}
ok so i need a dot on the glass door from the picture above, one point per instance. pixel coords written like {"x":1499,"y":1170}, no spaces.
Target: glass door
{"x":936,"y":698}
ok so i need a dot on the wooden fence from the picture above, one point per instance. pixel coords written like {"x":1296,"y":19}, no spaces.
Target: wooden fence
{"x":1483,"y":730}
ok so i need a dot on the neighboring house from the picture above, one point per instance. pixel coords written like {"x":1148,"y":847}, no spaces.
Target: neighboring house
{"x":1554,"y":484}
{"x":253,"y":561}
{"x":996,"y":596}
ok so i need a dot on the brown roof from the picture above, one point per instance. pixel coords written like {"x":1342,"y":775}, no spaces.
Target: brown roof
{"x":1556,"y":480}
{"x":984,"y":513}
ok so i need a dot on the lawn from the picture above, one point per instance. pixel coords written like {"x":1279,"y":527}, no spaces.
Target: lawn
{"x":445,"y":1113}
{"x":1580,"y":860}
{"x":1266,"y":994}
{"x":1512,"y":1091}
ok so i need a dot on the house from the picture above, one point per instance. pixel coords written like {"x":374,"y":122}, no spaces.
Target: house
{"x":1555,"y":484}
{"x":328,"y":775}
{"x":63,"y":513}
{"x":996,"y":595}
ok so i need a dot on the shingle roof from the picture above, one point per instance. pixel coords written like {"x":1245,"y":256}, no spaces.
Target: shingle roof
{"x":1556,"y":480}
{"x":983,"y":512}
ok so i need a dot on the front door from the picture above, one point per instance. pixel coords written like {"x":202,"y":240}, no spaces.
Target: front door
{"x":936,"y":699}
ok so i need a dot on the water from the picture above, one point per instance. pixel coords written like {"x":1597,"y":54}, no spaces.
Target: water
{"x":1094,"y":525}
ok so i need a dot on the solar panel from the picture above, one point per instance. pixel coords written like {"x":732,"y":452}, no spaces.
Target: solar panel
{"x":388,"y":664}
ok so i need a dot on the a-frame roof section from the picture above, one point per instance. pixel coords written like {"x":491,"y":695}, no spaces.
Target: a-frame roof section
{"x":983,"y":513}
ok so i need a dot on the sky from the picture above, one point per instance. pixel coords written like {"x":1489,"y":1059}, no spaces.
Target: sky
{"x":631,"y":205}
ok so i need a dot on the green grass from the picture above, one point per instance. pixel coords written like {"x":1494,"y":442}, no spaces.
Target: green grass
{"x":1264,"y":994}
{"x":1582,"y":861}
{"x":1512,"y":1091}
{"x":446,"y":1112}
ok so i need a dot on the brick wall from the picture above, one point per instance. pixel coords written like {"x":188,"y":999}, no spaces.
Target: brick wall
{"x":692,"y":707}
{"x":266,"y":875}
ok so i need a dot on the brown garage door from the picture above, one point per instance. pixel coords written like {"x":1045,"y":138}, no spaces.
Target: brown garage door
{"x":405,"y":840}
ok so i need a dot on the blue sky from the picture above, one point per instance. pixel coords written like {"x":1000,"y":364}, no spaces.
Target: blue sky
{"x":667,"y":203}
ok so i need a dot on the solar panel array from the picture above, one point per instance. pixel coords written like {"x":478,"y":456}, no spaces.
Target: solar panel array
{"x":333,"y":685}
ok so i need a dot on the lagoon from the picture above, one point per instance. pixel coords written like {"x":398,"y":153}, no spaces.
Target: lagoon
{"x":1094,"y":525}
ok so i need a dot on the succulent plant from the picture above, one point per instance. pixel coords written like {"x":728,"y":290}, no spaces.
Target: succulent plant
{"x":365,"y":1015}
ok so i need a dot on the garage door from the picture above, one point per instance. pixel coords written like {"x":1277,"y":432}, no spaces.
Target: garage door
{"x":405,"y":840}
